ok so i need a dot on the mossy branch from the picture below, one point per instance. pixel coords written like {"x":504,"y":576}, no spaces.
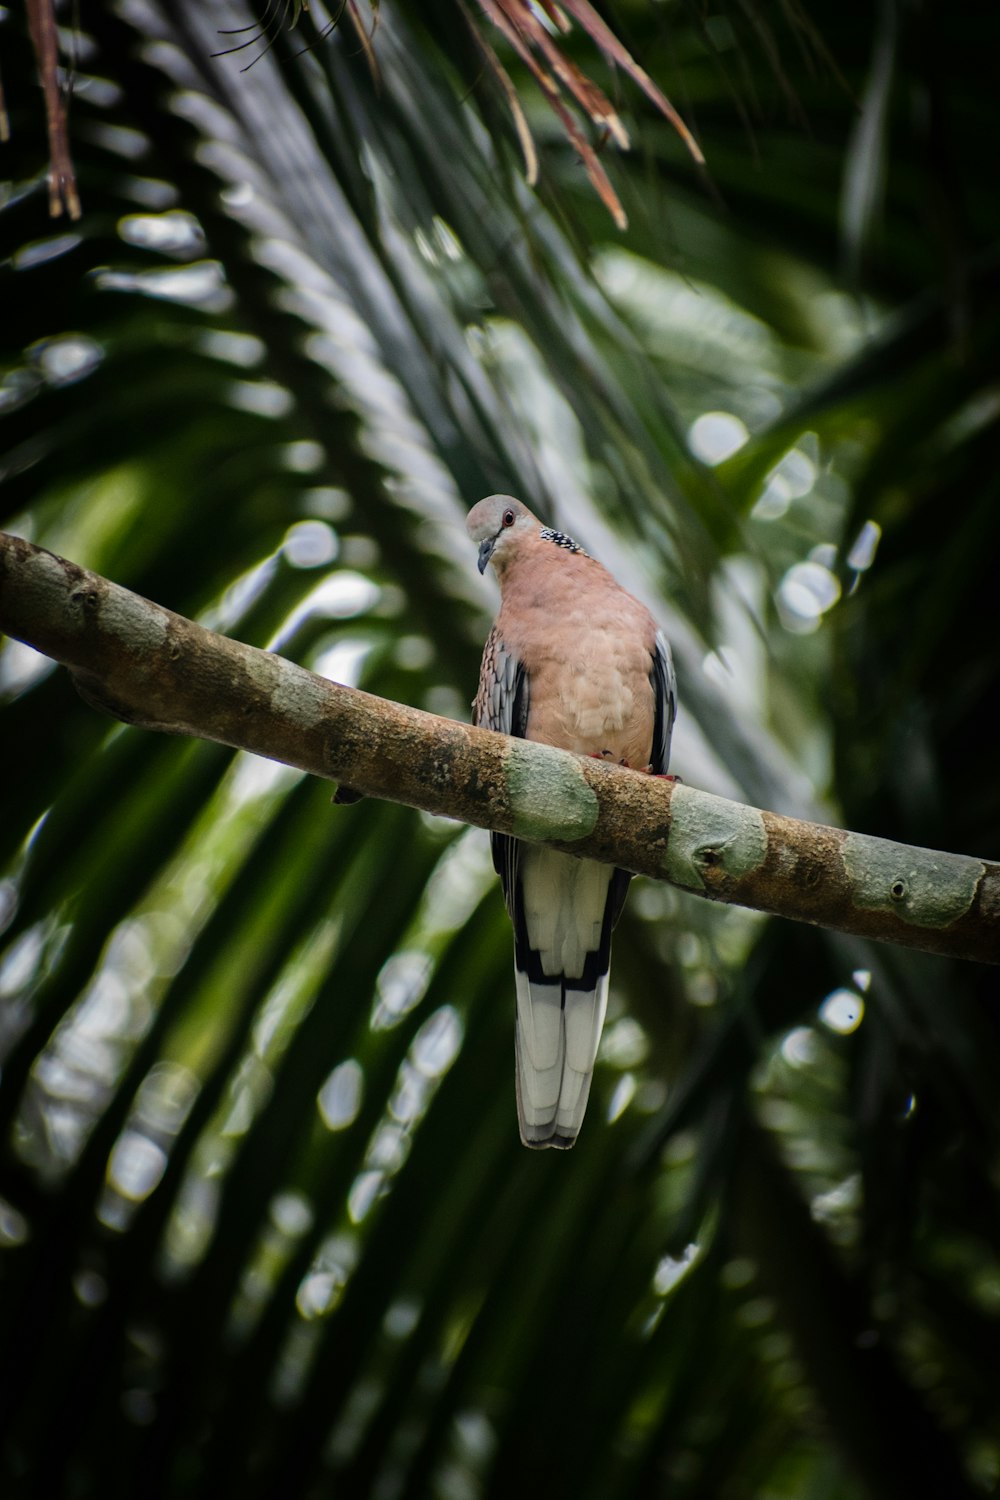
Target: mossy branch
{"x":156,"y":669}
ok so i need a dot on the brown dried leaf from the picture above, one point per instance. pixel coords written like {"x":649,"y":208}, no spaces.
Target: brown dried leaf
{"x":526,"y":32}
{"x":616,"y":53}
{"x":593,"y":165}
{"x":365,"y":36}
{"x":590,"y":97}
{"x":62,"y":179}
{"x":524,"y":136}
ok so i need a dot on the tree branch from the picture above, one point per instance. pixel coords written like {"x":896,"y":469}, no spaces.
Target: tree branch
{"x":156,"y":669}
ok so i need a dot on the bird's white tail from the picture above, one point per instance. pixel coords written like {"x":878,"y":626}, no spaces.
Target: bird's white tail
{"x":557,"y":1035}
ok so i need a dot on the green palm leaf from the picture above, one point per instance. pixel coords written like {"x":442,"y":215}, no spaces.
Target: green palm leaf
{"x":263,"y":1216}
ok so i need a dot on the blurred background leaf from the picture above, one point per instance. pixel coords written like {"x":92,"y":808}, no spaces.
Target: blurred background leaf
{"x":264,"y":1219}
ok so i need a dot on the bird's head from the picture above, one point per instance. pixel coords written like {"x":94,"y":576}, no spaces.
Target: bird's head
{"x":497,"y":524}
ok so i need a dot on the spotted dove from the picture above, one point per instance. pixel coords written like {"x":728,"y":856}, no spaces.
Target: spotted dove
{"x":574,"y":661}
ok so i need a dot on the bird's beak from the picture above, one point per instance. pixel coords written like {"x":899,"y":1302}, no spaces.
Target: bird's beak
{"x":486,"y":552}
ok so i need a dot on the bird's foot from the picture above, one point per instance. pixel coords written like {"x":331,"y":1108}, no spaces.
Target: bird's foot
{"x":608,"y":755}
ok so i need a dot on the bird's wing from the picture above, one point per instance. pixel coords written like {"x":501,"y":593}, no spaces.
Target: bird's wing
{"x":501,"y":703}
{"x":664,"y":684}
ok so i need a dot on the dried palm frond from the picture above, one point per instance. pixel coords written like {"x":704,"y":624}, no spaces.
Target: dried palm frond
{"x":520,"y":23}
{"x":63,"y":193}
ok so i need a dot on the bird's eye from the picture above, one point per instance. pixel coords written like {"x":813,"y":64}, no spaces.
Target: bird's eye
{"x":508,"y":518}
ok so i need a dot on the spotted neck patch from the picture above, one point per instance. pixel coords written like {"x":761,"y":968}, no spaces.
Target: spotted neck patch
{"x":561,"y":540}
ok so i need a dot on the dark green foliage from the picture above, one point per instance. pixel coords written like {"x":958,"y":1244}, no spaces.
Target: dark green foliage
{"x":265,"y":1226}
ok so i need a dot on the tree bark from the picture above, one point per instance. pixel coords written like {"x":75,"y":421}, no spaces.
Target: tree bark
{"x":153,"y":668}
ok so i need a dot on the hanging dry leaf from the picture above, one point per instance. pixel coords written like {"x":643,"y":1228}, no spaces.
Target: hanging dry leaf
{"x":523,"y":27}
{"x":62,"y":178}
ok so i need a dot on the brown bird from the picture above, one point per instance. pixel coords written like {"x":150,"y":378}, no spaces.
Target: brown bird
{"x":574,"y":661}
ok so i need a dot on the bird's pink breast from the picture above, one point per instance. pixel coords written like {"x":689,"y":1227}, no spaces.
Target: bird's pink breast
{"x":586,"y":645}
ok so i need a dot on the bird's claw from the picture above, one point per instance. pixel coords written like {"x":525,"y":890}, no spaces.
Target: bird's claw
{"x":608,"y":755}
